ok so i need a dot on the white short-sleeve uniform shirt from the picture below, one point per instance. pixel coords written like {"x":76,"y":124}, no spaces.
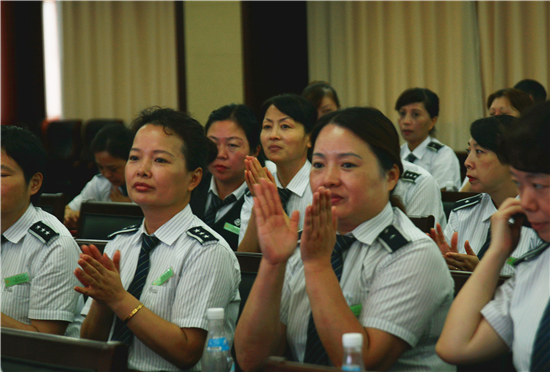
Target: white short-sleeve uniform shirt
{"x":405,"y":291}
{"x":438,"y":159}
{"x":420,"y":193}
{"x":471,"y":217}
{"x":300,"y":198}
{"x":99,"y":189}
{"x":41,"y":252}
{"x":205,"y":274}
{"x":516,"y":310}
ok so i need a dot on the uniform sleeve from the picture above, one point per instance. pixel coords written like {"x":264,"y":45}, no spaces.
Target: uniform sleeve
{"x":497,"y":312}
{"x":446,"y":168}
{"x":52,"y":294}
{"x":426,"y":201}
{"x":210,"y":278}
{"x":406,"y":292}
{"x":89,"y":192}
{"x":246,"y":211}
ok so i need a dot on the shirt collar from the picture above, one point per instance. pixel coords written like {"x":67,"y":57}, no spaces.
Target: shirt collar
{"x":19,"y":229}
{"x":368,"y":231}
{"x":300,"y":181}
{"x":238,"y":192}
{"x":488,"y":207}
{"x":420,"y":150}
{"x":174,"y":228}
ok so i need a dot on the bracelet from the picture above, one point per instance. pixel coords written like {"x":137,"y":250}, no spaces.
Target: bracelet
{"x":138,"y":308}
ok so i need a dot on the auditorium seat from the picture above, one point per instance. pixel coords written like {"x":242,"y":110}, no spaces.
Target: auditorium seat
{"x":100,"y":219}
{"x":100,"y":244}
{"x":423,"y":223}
{"x":54,"y":204}
{"x":449,"y":198}
{"x":32,"y":351}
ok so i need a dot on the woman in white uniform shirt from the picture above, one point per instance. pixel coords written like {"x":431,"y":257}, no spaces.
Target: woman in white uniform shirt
{"x":483,"y":324}
{"x":418,"y":110}
{"x":287,"y":123}
{"x":393,"y":288}
{"x":467,"y":232}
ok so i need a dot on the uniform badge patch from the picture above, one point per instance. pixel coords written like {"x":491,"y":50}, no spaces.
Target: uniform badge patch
{"x":129,"y":229}
{"x":467,"y":203}
{"x":392,"y":238}
{"x":201,"y":234}
{"x":43,"y":232}
{"x":434,"y":146}
{"x":409,"y":176}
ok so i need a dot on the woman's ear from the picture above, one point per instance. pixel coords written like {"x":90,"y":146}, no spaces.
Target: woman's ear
{"x":35,"y":183}
{"x":196,"y":177}
{"x":392,"y":176}
{"x":433,"y":121}
{"x":257,"y":152}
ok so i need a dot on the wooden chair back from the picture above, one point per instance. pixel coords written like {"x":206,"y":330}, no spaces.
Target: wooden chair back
{"x":100,"y":219}
{"x":54,"y":204}
{"x":424,"y":223}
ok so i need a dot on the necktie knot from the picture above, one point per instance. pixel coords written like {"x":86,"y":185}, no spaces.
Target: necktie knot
{"x":343,"y":243}
{"x":411,"y":158}
{"x":215,"y":204}
{"x":149,"y":243}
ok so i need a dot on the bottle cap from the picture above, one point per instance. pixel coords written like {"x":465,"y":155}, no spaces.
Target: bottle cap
{"x":215,"y":313}
{"x":352,"y":339}
{"x":450,"y":186}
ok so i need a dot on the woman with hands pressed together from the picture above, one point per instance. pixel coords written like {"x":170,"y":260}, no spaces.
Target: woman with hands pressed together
{"x":383,"y":278}
{"x":153,"y":285}
{"x":483,"y":324}
{"x":467,"y":235}
{"x":285,"y":136}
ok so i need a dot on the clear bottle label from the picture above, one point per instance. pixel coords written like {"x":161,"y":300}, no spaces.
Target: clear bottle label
{"x":218,"y":344}
{"x":351,"y":368}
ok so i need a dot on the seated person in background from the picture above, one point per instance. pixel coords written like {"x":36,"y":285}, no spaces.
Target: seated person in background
{"x":384,"y":278}
{"x":153,"y":285}
{"x":420,"y":194}
{"x":508,"y":101}
{"x":287,"y":123}
{"x":220,"y":196}
{"x":483,"y":324}
{"x":467,"y":235}
{"x":418,"y":110}
{"x":39,"y":254}
{"x":323,"y":96}
{"x":110,"y":147}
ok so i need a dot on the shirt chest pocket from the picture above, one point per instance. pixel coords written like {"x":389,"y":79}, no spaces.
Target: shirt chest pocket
{"x":18,"y":294}
{"x":159,"y":299}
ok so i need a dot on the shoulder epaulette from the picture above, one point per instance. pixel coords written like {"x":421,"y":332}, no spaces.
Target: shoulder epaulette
{"x":531,"y":254}
{"x":409,"y":176}
{"x":392,"y":238}
{"x":201,"y":234}
{"x":434,"y":146}
{"x":43,"y":232}
{"x":468,"y":202}
{"x":247,"y":192}
{"x":128,"y":229}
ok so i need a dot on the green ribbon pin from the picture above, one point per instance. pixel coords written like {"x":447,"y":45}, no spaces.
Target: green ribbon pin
{"x":164,"y":277}
{"x":234,"y":229}
{"x":356,"y":309}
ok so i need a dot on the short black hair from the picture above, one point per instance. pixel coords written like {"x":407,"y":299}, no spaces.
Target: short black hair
{"x":526,"y":145}
{"x":315,"y":92}
{"x":28,"y":152}
{"x":517,"y":98}
{"x":116,"y":139}
{"x":241,"y":115}
{"x":533,"y":88}
{"x":198,"y":150}
{"x":487,"y":132}
{"x":424,"y":95}
{"x":295,"y":106}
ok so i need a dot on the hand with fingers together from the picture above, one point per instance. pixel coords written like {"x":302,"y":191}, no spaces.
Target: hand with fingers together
{"x":461,"y":261}
{"x":254,"y":172}
{"x":100,"y":276}
{"x":319,"y":232}
{"x":277,"y":235}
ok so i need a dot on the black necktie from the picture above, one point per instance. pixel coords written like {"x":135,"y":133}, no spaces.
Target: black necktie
{"x":122,"y":332}
{"x":540,"y":358}
{"x":315,"y":351}
{"x":284,"y":194}
{"x":485,"y":245}
{"x":411,"y":158}
{"x":215,"y":204}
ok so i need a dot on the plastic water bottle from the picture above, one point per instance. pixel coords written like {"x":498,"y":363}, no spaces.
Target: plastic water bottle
{"x":353,"y":356}
{"x":217,"y":351}
{"x":450,"y":186}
